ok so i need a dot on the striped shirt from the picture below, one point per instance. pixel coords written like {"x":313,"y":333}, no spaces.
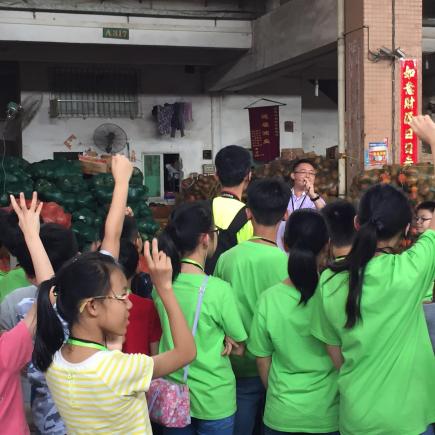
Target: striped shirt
{"x":103,"y":394}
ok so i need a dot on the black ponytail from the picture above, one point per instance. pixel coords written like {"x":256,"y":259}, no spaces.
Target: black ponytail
{"x":181,"y":236}
{"x":384,"y":212}
{"x":305,"y":236}
{"x":83,"y":277}
{"x":50,"y":328}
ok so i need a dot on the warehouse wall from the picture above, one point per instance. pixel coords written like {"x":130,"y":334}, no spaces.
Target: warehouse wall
{"x":44,"y":135}
{"x":218,"y":120}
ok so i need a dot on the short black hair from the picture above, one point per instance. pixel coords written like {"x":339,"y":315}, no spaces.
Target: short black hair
{"x":128,"y":258}
{"x":233,"y":164}
{"x":339,"y":216}
{"x":426,"y":205}
{"x":268,"y":200}
{"x":130,"y":229}
{"x":59,"y":242}
{"x":300,"y":161}
{"x":11,"y":235}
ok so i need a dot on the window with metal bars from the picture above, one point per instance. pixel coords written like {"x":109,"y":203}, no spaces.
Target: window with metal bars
{"x":94,"y":92}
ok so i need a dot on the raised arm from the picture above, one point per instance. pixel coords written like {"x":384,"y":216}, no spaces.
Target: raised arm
{"x":184,"y":345}
{"x":121,"y":171}
{"x":28,"y":219}
{"x":424,"y":128}
{"x":29,"y":223}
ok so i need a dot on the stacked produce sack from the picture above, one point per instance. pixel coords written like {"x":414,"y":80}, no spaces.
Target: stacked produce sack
{"x":199,"y":188}
{"x":417,"y":181}
{"x":86,"y":199}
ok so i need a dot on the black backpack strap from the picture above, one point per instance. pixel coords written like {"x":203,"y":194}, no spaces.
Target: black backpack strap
{"x":239,"y":221}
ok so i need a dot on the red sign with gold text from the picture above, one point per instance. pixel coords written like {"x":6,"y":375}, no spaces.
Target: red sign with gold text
{"x":409,"y":109}
{"x":264,"y":123}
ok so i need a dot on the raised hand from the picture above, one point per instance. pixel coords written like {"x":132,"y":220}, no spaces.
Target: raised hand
{"x":424,"y":128}
{"x":160,"y":268}
{"x":29,"y":223}
{"x":28,"y":217}
{"x":122,"y":168}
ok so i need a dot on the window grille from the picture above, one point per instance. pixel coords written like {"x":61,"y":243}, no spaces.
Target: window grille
{"x":94,"y":92}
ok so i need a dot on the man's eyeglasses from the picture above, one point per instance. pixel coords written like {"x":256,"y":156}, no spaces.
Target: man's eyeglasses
{"x":216,"y":230}
{"x":307,"y":173}
{"x":116,"y":297}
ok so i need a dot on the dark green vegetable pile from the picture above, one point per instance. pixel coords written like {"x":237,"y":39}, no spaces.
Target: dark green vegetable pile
{"x":86,"y":198}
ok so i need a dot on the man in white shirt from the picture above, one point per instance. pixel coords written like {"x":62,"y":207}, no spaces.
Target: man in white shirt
{"x":303,"y":193}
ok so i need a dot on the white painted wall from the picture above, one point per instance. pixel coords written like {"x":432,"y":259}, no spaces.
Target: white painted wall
{"x":45,"y":135}
{"x":320,"y":130}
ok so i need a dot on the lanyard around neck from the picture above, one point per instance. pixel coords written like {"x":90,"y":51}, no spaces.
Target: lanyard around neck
{"x":192,"y":262}
{"x":264,"y":240}
{"x":86,"y":343}
{"x":225,"y":194}
{"x":302,"y":203}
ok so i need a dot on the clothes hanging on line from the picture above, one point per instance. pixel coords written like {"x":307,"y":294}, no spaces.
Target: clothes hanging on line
{"x":172,"y":117}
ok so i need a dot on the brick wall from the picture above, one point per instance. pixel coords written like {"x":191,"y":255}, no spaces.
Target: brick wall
{"x":373,"y":88}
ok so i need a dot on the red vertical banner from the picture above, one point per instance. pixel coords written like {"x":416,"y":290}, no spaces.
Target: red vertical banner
{"x":409,"y":109}
{"x":264,"y":123}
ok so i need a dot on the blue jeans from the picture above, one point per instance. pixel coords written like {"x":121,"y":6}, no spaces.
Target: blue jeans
{"x":224,"y":426}
{"x":269,"y":431}
{"x":250,"y":394}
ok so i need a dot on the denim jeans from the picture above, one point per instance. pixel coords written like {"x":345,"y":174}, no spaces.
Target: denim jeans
{"x":250,"y":394}
{"x":224,"y":426}
{"x":269,"y":431}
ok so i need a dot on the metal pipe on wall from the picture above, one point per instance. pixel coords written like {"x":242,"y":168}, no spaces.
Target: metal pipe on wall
{"x":341,"y":100}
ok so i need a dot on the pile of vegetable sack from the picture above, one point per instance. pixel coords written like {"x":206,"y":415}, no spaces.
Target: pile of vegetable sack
{"x":326,"y":180}
{"x":201,"y":188}
{"x":86,"y":199}
{"x":417,"y":181}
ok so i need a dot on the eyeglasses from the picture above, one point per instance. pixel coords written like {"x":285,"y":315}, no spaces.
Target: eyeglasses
{"x":422,"y":219}
{"x":216,"y":230}
{"x":307,"y":173}
{"x":116,"y":297}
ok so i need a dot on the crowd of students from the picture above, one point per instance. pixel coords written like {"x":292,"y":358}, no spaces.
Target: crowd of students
{"x":313,"y":318}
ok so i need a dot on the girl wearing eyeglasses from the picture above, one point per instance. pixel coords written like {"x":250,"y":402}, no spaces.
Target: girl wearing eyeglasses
{"x":94,"y":389}
{"x":189,"y":238}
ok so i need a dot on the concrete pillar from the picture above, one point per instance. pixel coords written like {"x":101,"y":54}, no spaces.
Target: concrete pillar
{"x":373,"y":87}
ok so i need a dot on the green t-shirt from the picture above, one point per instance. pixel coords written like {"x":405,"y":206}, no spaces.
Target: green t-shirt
{"x":211,"y":380}
{"x":302,"y":393}
{"x":387,"y":381}
{"x":10,"y":281}
{"x":250,"y":268}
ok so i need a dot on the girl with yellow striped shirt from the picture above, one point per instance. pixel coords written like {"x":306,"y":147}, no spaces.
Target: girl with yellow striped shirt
{"x":95,"y":390}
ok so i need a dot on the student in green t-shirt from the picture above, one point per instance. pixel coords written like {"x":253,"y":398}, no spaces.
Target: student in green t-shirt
{"x":251,"y":267}
{"x":368,"y":310}
{"x":188,"y":239}
{"x":301,"y":381}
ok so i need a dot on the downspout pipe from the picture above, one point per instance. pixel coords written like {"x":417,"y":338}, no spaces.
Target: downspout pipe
{"x":341,"y":100}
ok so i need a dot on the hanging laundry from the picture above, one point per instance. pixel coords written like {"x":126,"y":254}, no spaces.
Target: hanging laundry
{"x":177,"y":122}
{"x":188,"y":114}
{"x":172,"y":117}
{"x":163,"y":116}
